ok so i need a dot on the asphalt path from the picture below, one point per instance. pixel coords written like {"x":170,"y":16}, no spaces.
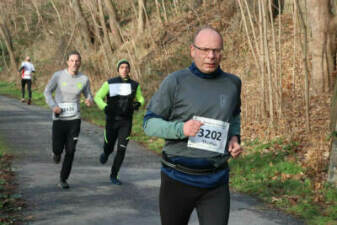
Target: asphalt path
{"x":92,"y":199}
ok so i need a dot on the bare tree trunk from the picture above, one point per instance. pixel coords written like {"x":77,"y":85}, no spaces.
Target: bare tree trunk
{"x":164,"y":9}
{"x":267,"y":59}
{"x":332,"y":173}
{"x":85,"y":31}
{"x":141,"y":16}
{"x":274,"y":64}
{"x":158,"y":12}
{"x":175,"y":6}
{"x":114,"y":24}
{"x":306,"y":65}
{"x":3,"y":55}
{"x":26,"y":24}
{"x":295,"y":17}
{"x":57,"y":13}
{"x":280,"y":62}
{"x":97,"y":32}
{"x":39,"y":17}
{"x":332,"y":44}
{"x":319,"y":14}
{"x":106,"y":37}
{"x":257,"y":51}
{"x":6,"y":36}
{"x":262,"y":62}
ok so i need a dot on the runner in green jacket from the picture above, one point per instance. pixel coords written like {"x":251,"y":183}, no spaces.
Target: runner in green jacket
{"x":123,"y":95}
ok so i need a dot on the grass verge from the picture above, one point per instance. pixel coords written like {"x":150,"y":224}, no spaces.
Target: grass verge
{"x":269,"y":171}
{"x":11,"y":203}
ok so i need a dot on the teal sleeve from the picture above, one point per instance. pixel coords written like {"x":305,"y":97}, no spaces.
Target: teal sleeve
{"x":164,"y":129}
{"x":100,"y":95}
{"x":234,"y":127}
{"x":139,"y":96}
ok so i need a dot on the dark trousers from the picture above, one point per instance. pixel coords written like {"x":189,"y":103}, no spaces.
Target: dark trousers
{"x":29,"y":87}
{"x":177,"y":201}
{"x":117,"y":129}
{"x":64,"y":136}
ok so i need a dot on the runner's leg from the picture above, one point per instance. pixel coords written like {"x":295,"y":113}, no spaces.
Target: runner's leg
{"x":58,"y":137}
{"x":29,"y":88}
{"x":110,"y":137}
{"x":213,"y":207}
{"x":23,"y":84}
{"x":123,"y":140}
{"x":70,"y":147}
{"x":176,"y":201}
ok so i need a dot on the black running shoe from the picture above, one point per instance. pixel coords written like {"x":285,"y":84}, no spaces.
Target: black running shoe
{"x":116,"y":181}
{"x":103,"y":158}
{"x":63,"y":184}
{"x":56,"y":158}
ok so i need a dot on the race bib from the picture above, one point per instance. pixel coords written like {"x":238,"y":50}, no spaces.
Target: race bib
{"x":212,"y":136}
{"x":119,"y":89}
{"x":68,"y":109}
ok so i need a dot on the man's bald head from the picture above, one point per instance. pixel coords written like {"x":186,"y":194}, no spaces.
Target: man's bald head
{"x":205,"y":29}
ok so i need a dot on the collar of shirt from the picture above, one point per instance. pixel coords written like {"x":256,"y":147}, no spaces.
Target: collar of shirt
{"x":194,"y":69}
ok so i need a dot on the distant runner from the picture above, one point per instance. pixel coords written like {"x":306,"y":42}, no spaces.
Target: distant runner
{"x":26,"y":69}
{"x":197,"y":111}
{"x":123,"y":95}
{"x":67,"y":84}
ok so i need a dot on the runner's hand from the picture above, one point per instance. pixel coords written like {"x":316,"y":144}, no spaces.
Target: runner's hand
{"x":234,"y":147}
{"x":192,"y":127}
{"x":57,"y":110}
{"x":106,"y":110}
{"x":136,"y":105}
{"x":88,"y":102}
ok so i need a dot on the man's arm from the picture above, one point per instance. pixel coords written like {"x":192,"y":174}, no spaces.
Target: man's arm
{"x":100,"y":95}
{"x":50,"y":88}
{"x":234,"y":128}
{"x":156,"y":126}
{"x":87,"y":94}
{"x":234,"y":147}
{"x":159,"y":127}
{"x":139,"y":96}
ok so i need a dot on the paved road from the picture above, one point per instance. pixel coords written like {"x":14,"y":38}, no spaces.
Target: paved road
{"x":92,"y":200}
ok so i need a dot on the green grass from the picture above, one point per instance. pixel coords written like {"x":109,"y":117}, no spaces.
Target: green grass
{"x":11,"y":90}
{"x":265,"y":172}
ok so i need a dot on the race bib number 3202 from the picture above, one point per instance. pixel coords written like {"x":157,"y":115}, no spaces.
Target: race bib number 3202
{"x":212,"y":136}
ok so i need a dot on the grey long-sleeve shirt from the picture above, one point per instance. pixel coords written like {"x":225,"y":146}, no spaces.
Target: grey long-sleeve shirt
{"x":183,"y":95}
{"x":68,"y":89}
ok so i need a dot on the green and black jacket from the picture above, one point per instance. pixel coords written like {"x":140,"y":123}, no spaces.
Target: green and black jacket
{"x":118,"y":104}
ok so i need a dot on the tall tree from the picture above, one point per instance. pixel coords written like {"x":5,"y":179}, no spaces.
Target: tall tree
{"x":114,"y":24}
{"x":332,"y":173}
{"x":141,"y":16}
{"x":319,"y":17}
{"x":6,"y":36}
{"x":84,"y":28}
{"x":106,"y":37}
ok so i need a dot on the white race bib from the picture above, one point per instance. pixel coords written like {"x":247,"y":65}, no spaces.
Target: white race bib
{"x":119,"y":89}
{"x":68,"y":109}
{"x":212,"y":136}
